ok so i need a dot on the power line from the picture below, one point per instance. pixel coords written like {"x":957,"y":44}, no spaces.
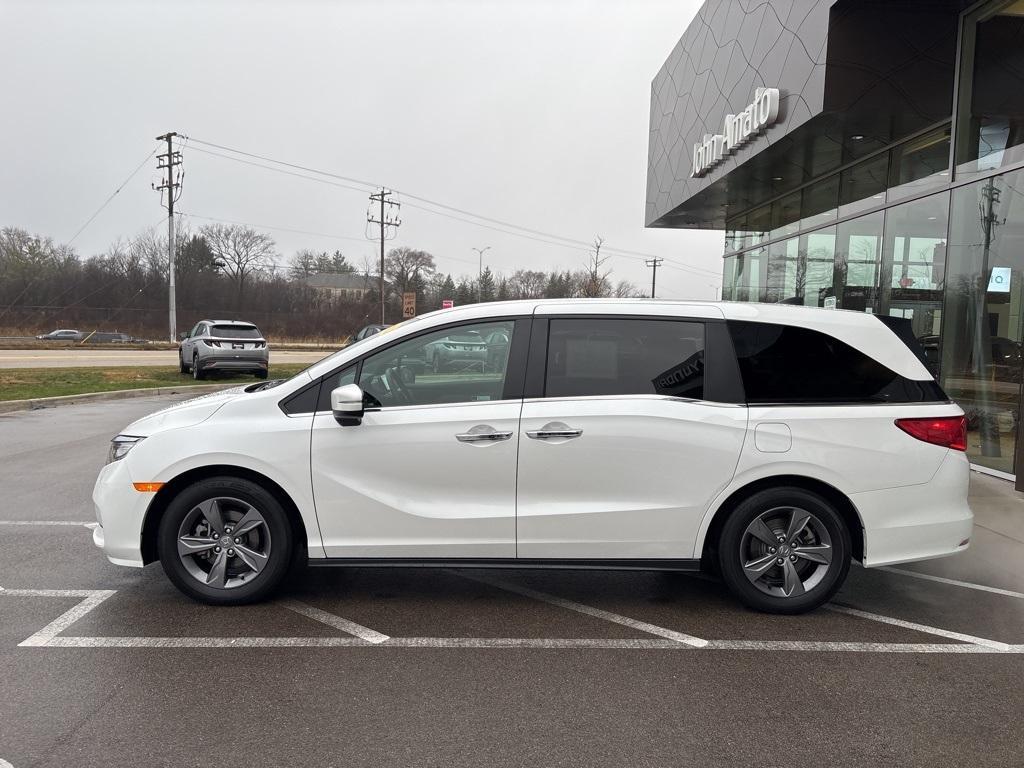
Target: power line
{"x":274,"y":228}
{"x":112,"y":196}
{"x":638,"y":255}
{"x":388,"y":219}
{"x":654,"y":264}
{"x":168,"y":162}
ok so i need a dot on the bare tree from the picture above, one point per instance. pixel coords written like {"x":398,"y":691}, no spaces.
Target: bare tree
{"x":596,"y":283}
{"x":243,"y":252}
{"x":408,"y":269}
{"x":527,"y":284}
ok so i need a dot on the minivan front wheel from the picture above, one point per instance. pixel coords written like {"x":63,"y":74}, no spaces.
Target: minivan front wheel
{"x":784,"y":550}
{"x":225,"y":541}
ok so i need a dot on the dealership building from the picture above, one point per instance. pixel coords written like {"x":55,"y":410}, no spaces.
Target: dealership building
{"x":865,"y":155}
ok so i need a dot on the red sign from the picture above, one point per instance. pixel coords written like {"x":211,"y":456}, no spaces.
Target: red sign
{"x":447,"y":304}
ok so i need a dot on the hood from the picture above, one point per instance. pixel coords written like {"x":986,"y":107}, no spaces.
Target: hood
{"x":184,"y":414}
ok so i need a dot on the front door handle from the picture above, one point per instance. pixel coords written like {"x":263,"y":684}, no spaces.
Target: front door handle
{"x":483,"y":433}
{"x":554,"y":429}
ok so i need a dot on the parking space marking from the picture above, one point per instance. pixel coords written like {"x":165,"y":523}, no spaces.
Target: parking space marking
{"x":331,"y":620}
{"x":49,"y":522}
{"x":50,"y":637}
{"x":92,"y":598}
{"x":615,"y":618}
{"x":954,"y":582}
{"x":855,"y":647}
{"x":919,"y":627}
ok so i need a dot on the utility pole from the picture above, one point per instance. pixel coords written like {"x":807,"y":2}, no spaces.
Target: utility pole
{"x":653,"y":264}
{"x":480,"y":273}
{"x":385,"y":219}
{"x":169,"y":161}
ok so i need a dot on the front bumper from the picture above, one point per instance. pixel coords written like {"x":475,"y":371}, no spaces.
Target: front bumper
{"x":918,"y":522}
{"x":120,"y":512}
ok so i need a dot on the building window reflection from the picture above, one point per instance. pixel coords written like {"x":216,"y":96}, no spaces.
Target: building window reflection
{"x":990,"y":129}
{"x":981,"y":344}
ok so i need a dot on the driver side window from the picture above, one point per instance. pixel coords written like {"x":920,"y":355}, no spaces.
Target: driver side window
{"x":455,"y":365}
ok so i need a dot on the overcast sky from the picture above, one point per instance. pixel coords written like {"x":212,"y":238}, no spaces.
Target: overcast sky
{"x":534,"y":113}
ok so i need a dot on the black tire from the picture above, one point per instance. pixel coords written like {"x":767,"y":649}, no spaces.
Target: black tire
{"x":262,"y":374}
{"x":281,"y":538}
{"x":182,"y":368}
{"x":775,"y":503}
{"x":197,"y":372}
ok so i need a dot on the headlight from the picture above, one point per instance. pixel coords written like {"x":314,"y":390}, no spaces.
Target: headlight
{"x":120,"y":446}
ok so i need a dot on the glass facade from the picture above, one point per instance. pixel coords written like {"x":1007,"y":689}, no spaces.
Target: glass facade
{"x":930,"y":229}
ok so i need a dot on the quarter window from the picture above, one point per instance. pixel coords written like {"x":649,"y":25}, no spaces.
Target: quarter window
{"x":787,"y":364}
{"x":625,"y":357}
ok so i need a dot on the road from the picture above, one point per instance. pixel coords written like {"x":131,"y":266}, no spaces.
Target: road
{"x":63,"y":358}
{"x":109,"y":666}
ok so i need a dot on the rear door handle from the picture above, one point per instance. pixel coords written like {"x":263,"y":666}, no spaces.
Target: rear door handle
{"x":483,"y":433}
{"x":554,"y":429}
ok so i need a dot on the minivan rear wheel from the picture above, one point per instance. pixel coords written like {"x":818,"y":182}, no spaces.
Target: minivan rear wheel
{"x":784,"y":550}
{"x":225,"y":541}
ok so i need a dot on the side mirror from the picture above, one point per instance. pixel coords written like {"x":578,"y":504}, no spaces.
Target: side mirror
{"x":347,"y":405}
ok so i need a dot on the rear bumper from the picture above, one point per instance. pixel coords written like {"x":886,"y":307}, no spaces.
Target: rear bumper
{"x":232,"y":364}
{"x":918,"y":522}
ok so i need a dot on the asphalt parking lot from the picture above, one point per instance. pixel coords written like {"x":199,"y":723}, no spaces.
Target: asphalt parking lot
{"x":921,"y":665}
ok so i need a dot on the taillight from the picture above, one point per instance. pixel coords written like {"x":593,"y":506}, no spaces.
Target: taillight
{"x":947,"y":431}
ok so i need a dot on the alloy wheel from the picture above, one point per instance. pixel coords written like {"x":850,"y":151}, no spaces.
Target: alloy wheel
{"x":224,"y":542}
{"x":785,"y":551}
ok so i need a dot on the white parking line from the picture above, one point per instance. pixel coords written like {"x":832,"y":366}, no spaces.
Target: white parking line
{"x":526,"y":643}
{"x":920,"y":627}
{"x":364,"y":633}
{"x":50,"y":637}
{"x":48,"y":522}
{"x":954,"y":582}
{"x":43,"y":637}
{"x":854,"y":647}
{"x":642,"y":626}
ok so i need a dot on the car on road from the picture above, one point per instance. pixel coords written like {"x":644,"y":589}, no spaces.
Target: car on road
{"x":223,"y":345}
{"x":64,"y":334}
{"x":368,"y":330}
{"x":771,"y":444}
{"x":458,"y":351}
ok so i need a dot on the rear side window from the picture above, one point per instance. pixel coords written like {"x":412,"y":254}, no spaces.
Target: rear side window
{"x":237,"y":331}
{"x":787,"y":364}
{"x":625,"y":357}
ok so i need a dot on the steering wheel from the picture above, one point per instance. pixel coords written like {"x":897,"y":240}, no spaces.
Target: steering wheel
{"x":393,"y":381}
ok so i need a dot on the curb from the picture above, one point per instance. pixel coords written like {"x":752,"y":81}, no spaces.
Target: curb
{"x":12,"y":406}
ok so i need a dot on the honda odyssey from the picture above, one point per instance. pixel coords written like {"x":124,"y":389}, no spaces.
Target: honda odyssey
{"x":769,"y":443}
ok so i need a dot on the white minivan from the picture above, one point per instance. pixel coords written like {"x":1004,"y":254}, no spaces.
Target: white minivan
{"x":770,"y":443}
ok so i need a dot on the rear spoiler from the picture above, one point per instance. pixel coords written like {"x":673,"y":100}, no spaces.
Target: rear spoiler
{"x":904,"y":331}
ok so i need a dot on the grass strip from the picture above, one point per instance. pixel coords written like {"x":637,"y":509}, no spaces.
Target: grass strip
{"x":29,"y":383}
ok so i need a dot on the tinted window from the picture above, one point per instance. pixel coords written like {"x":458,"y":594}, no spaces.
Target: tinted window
{"x":786,"y":364}
{"x":625,"y":357}
{"x":448,"y":366}
{"x":237,"y":331}
{"x":332,"y":382}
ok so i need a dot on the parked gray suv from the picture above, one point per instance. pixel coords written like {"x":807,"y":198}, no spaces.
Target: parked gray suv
{"x":223,"y":345}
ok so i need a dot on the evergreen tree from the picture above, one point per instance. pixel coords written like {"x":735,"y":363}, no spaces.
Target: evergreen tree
{"x":485,"y":286}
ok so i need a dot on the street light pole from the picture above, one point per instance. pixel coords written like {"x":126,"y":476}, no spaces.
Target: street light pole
{"x":480,"y":273}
